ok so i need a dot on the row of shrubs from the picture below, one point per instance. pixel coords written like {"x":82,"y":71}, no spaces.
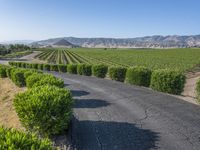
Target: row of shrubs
{"x":44,"y":109}
{"x":163,"y":80}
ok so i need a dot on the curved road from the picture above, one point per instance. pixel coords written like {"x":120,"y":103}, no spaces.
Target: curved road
{"x":110,"y":115}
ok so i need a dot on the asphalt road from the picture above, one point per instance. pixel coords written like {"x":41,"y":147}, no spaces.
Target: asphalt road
{"x":110,"y":115}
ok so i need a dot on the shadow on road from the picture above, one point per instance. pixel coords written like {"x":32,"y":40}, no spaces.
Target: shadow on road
{"x":90,"y":103}
{"x":79,"y":93}
{"x":96,"y":135}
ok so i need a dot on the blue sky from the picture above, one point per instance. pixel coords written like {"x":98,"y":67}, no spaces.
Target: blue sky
{"x":41,"y":19}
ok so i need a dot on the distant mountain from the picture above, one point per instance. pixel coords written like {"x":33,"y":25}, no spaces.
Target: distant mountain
{"x":63,"y":43}
{"x":156,"y":41}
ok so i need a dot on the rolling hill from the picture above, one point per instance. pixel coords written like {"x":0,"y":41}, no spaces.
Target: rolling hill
{"x":156,"y":41}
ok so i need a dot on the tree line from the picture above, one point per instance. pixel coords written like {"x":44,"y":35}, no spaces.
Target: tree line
{"x":12,"y":48}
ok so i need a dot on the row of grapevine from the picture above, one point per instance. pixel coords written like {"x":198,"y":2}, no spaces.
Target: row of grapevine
{"x":68,"y":57}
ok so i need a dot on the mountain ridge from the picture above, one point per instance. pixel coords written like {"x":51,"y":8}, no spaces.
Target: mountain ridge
{"x":156,"y":41}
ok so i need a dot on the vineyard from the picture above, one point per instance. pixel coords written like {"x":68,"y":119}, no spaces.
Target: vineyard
{"x":180,"y":59}
{"x":61,"y":56}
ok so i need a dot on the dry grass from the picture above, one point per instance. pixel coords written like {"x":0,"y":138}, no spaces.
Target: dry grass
{"x":8,"y":116}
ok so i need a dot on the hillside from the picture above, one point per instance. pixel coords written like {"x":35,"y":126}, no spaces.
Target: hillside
{"x":156,"y":41}
{"x":63,"y":43}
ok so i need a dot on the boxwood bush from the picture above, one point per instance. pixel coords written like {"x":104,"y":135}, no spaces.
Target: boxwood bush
{"x":72,"y":68}
{"x":27,"y":73}
{"x":62,"y":68}
{"x":17,"y":76}
{"x":33,"y":78}
{"x":11,"y":139}
{"x":84,"y":69}
{"x":8,"y":71}
{"x":19,"y":64}
{"x":3,"y":71}
{"x":54,"y":67}
{"x":138,"y":76}
{"x":45,"y":110}
{"x":28,"y":65}
{"x":40,"y":66}
{"x":23,"y":64}
{"x":99,"y":70}
{"x":34,"y":66}
{"x":117,"y":73}
{"x":47,"y":67}
{"x":37,"y":79}
{"x":50,"y":80}
{"x":168,"y":81}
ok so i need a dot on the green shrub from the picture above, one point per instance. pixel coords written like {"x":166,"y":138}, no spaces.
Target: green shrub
{"x":40,"y":66}
{"x":3,"y":71}
{"x":99,"y":70}
{"x":37,"y":79}
{"x":84,"y":69}
{"x":72,"y":68}
{"x":8,"y":71}
{"x":28,"y":65}
{"x":19,"y":64}
{"x":138,"y":76}
{"x":62,"y":68}
{"x":51,"y":80}
{"x":117,"y":73}
{"x":11,"y":139}
{"x":11,"y":63}
{"x":23,"y":64}
{"x":33,"y":78}
{"x":17,"y":76}
{"x":34,"y":66}
{"x":54,"y":67}
{"x":47,"y":67}
{"x":45,"y":109}
{"x":28,"y":73}
{"x":168,"y":81}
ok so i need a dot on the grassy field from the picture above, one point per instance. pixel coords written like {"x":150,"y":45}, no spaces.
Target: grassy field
{"x":181,"y":59}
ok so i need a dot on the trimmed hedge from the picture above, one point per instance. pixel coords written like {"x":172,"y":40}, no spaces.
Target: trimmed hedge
{"x":3,"y":73}
{"x":99,"y":70}
{"x":28,"y":65}
{"x":47,"y":67}
{"x":138,"y":76}
{"x":168,"y":81}
{"x":28,"y":73}
{"x":32,"y":79}
{"x":8,"y":72}
{"x":84,"y":69}
{"x":17,"y":76}
{"x":53,"y":67}
{"x":72,"y":68}
{"x":45,"y":109}
{"x":34,"y":66}
{"x":50,"y":80}
{"x":117,"y":73}
{"x":40,"y":66}
{"x":23,"y":64}
{"x":11,"y":139}
{"x":62,"y":68}
{"x":37,"y":79}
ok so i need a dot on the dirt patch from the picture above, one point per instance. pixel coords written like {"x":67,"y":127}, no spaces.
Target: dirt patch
{"x":189,"y":93}
{"x":8,"y":116}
